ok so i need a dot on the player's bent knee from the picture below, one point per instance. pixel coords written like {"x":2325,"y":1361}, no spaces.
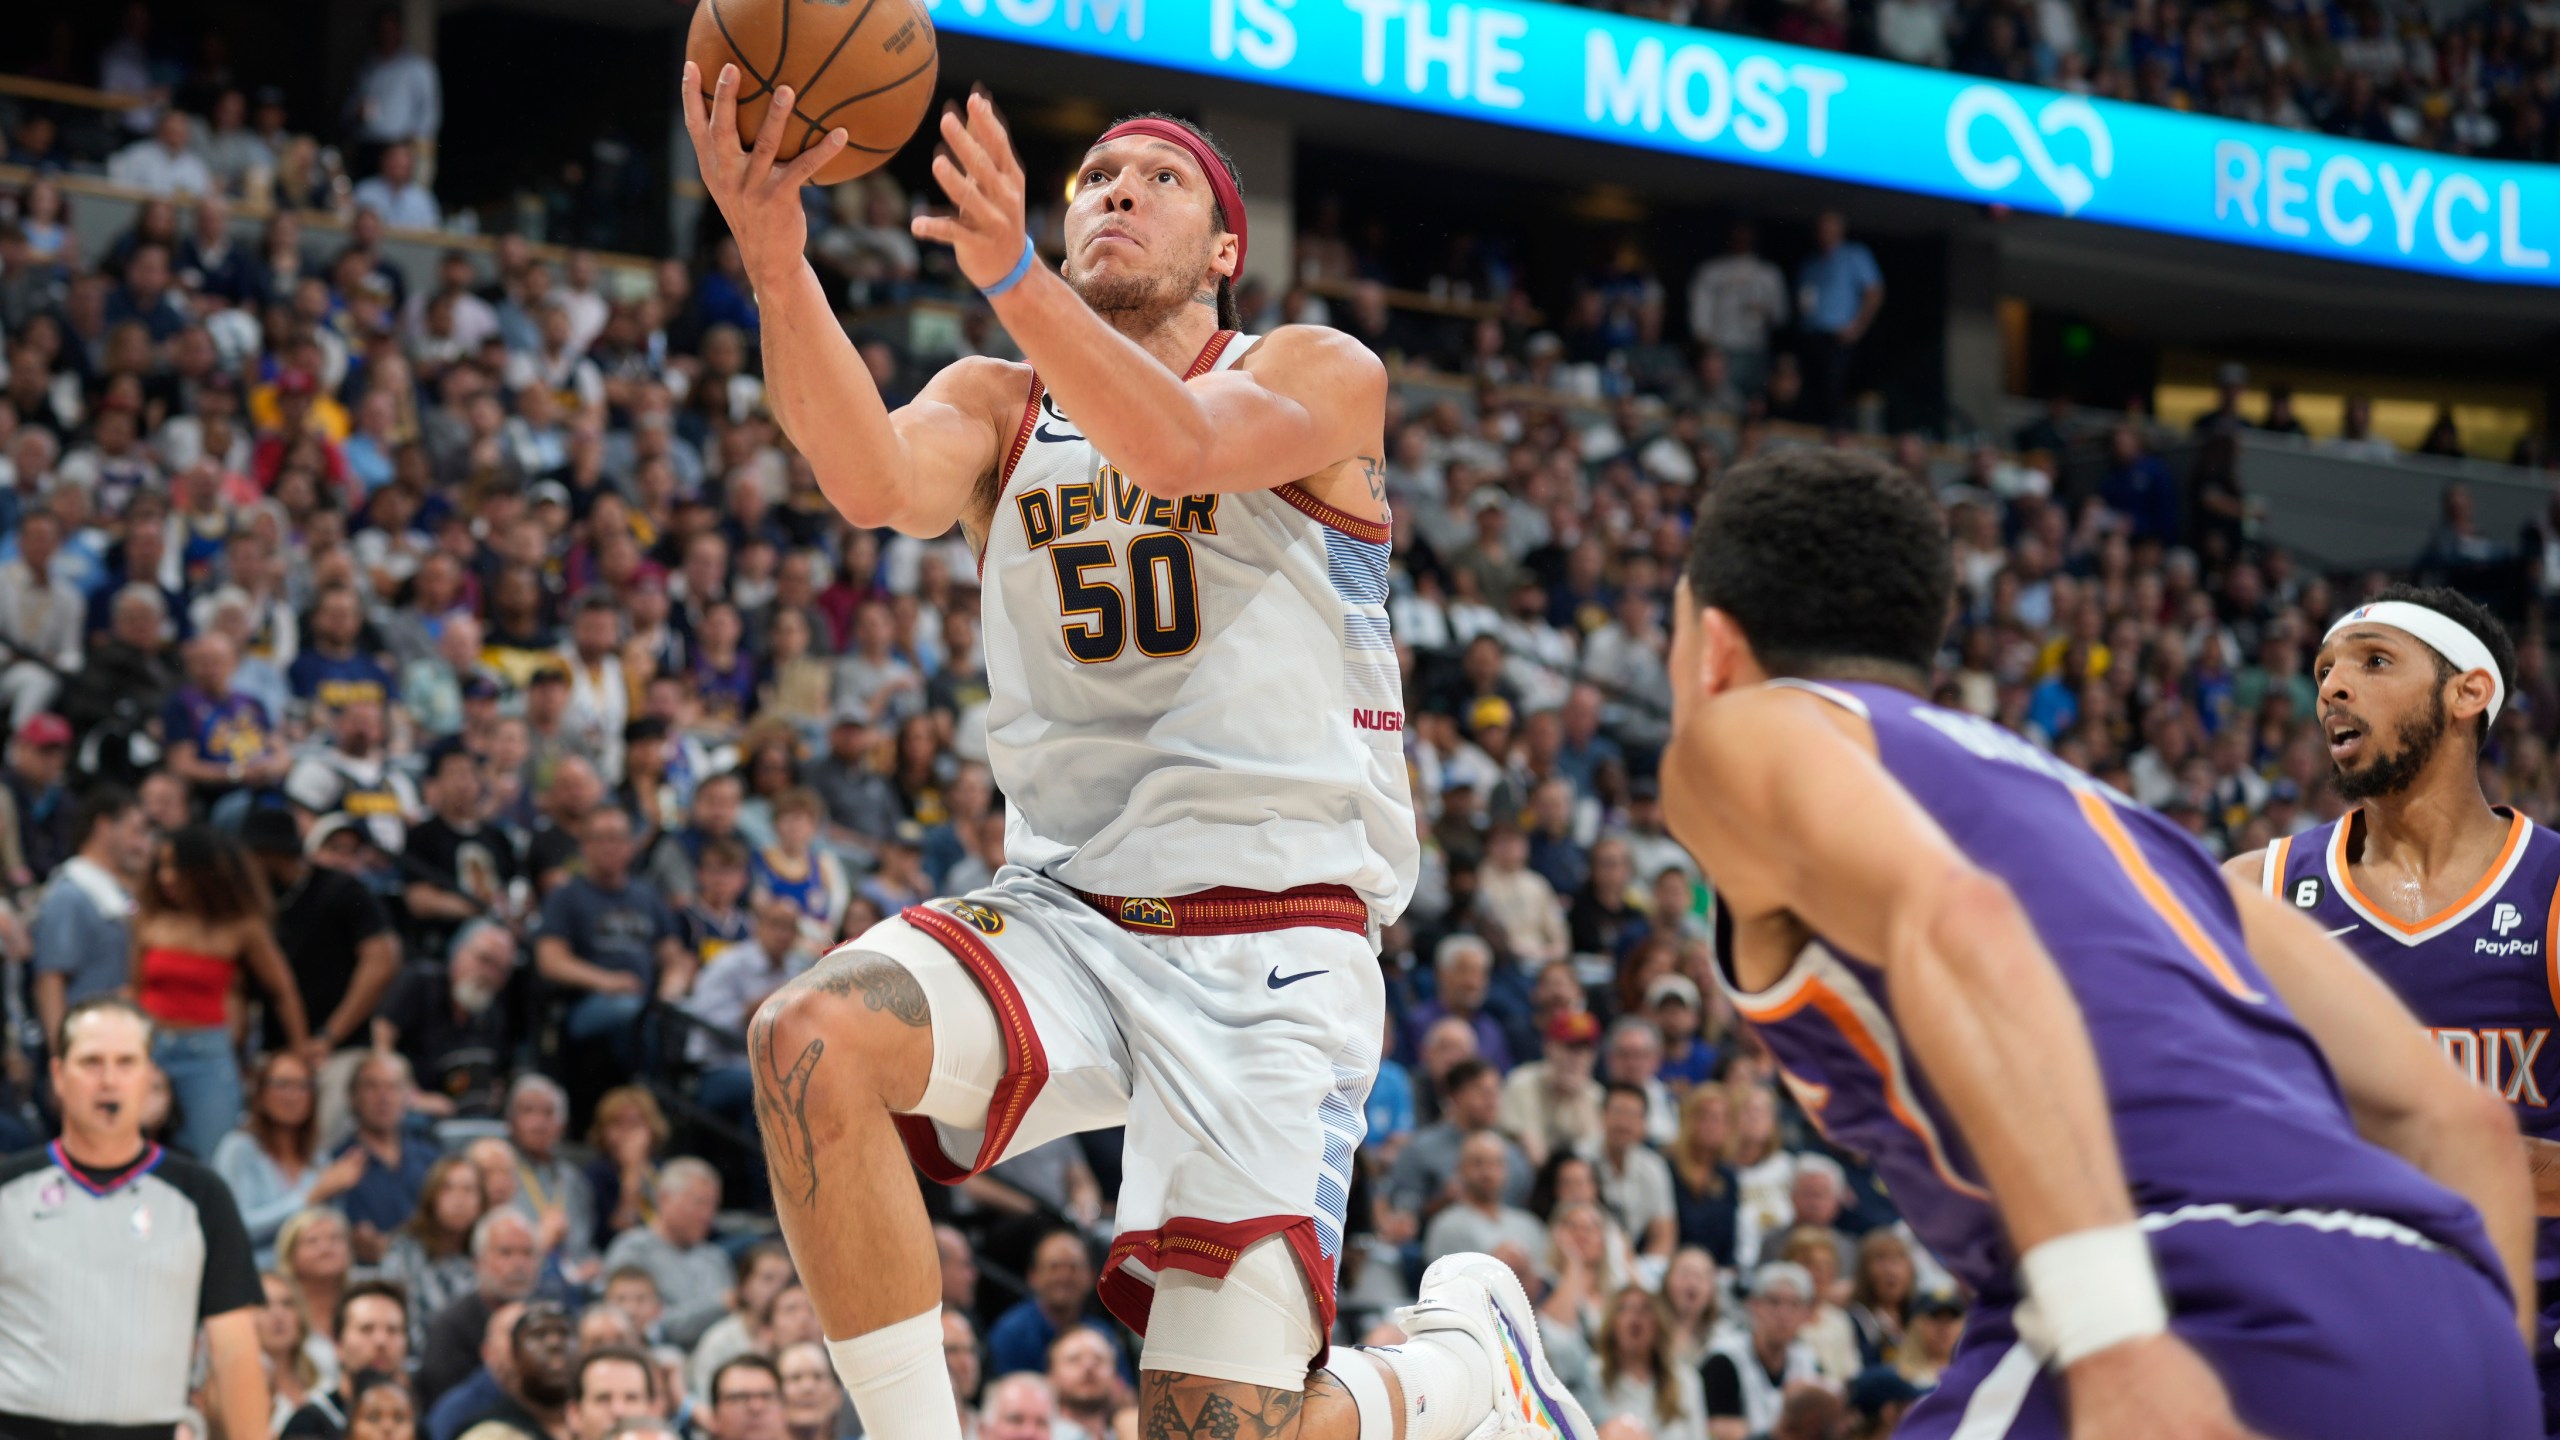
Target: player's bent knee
{"x":857,"y":1023}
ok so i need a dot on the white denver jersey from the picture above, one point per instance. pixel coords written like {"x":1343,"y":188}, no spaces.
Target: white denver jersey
{"x":1193,"y":693}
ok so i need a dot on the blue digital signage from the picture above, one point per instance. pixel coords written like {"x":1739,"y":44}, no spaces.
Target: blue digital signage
{"x":1752,"y":102}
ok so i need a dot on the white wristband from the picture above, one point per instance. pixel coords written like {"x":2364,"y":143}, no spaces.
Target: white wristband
{"x":2090,"y":1290}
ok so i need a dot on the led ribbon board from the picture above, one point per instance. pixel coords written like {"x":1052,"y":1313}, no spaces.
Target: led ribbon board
{"x":1870,"y":122}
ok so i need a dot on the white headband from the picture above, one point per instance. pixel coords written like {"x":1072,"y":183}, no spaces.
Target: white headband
{"x":2439,"y":632}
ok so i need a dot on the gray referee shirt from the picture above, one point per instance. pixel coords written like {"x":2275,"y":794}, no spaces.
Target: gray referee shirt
{"x":104,"y":1278}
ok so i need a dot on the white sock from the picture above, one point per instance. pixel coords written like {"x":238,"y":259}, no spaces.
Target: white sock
{"x":897,"y":1380}
{"x":1362,"y":1374}
{"x":1448,"y":1383}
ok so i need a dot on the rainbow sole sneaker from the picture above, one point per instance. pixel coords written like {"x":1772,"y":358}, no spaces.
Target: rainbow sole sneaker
{"x":1479,"y":1295}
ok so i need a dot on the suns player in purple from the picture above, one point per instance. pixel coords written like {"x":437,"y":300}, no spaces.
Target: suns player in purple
{"x":2446,"y":897}
{"x":2200,"y":1170}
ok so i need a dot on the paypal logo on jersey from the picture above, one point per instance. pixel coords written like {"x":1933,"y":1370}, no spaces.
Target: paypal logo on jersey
{"x":2070,"y":184}
{"x":2504,"y":921}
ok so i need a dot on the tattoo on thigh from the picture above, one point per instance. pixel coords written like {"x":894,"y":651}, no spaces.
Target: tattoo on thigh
{"x":1193,"y":1407}
{"x":782,"y":1110}
{"x":885,"y":985}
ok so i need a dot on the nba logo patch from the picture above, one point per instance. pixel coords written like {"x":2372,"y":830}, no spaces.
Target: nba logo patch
{"x":1146,"y":911}
{"x":142,"y":1222}
{"x":974,"y":915}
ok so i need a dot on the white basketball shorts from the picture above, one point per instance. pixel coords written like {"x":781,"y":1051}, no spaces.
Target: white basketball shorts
{"x":1234,"y":1033}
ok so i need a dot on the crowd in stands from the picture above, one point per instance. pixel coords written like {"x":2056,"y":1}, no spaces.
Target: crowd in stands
{"x":2468,"y":79}
{"x":451,"y":706}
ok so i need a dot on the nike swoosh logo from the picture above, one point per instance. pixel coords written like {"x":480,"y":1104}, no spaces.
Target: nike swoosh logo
{"x":1041,"y":432}
{"x":1279,"y":981}
{"x":2343,"y":929}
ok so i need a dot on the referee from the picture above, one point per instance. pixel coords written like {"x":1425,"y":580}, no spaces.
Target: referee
{"x":112,"y":1251}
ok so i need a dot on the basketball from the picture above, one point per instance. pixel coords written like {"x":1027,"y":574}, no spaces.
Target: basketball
{"x":865,"y":65}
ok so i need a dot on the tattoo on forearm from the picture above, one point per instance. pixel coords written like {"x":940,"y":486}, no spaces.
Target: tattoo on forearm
{"x":885,"y":985}
{"x":1192,"y":1407}
{"x":782,"y":1110}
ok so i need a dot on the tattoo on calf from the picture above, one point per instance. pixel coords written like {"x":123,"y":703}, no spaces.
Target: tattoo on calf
{"x":1193,"y":1407}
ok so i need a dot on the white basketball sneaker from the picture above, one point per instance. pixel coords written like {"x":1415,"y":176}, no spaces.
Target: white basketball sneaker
{"x":1479,"y":1295}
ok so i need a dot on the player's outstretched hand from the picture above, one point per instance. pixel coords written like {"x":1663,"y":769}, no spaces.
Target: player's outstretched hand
{"x":2154,"y":1389}
{"x":977,"y":169}
{"x":760,"y":198}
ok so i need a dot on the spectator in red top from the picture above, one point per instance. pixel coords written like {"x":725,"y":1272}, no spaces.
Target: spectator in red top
{"x":299,"y":436}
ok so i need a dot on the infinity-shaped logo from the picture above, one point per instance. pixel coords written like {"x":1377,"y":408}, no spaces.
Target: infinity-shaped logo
{"x":2070,"y":184}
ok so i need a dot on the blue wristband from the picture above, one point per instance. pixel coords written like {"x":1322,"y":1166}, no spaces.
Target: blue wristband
{"x":1021,"y":271}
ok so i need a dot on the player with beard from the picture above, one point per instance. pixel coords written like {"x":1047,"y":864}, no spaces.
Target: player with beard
{"x":2448,"y":898}
{"x":1194,"y":715}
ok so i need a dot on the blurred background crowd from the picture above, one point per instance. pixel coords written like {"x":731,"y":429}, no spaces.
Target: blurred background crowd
{"x":471,"y":657}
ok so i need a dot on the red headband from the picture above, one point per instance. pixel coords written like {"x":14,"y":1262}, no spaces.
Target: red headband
{"x":1222,"y":181}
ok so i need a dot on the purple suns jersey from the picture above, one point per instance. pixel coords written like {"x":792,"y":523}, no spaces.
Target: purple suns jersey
{"x":2223,"y":1105}
{"x":2481,"y":974}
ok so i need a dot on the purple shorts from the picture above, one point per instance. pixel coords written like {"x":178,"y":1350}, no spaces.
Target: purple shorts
{"x":2317,"y":1334}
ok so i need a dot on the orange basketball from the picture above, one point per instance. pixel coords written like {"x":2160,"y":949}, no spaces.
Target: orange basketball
{"x":865,"y":65}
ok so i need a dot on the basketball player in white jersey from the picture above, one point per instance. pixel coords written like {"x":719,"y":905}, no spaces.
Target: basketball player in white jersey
{"x":1195,"y":719}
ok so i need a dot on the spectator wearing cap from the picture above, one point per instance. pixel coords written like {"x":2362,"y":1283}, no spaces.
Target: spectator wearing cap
{"x":337,"y":941}
{"x":1462,"y":981}
{"x":1688,"y":1059}
{"x":83,"y":928}
{"x":47,"y":820}
{"x":41,"y":614}
{"x":1929,"y":1342}
{"x":1749,"y":1368}
{"x":2230,"y":382}
{"x":1552,"y":1103}
{"x":1634,"y":1180}
{"x":1880,"y":1396}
